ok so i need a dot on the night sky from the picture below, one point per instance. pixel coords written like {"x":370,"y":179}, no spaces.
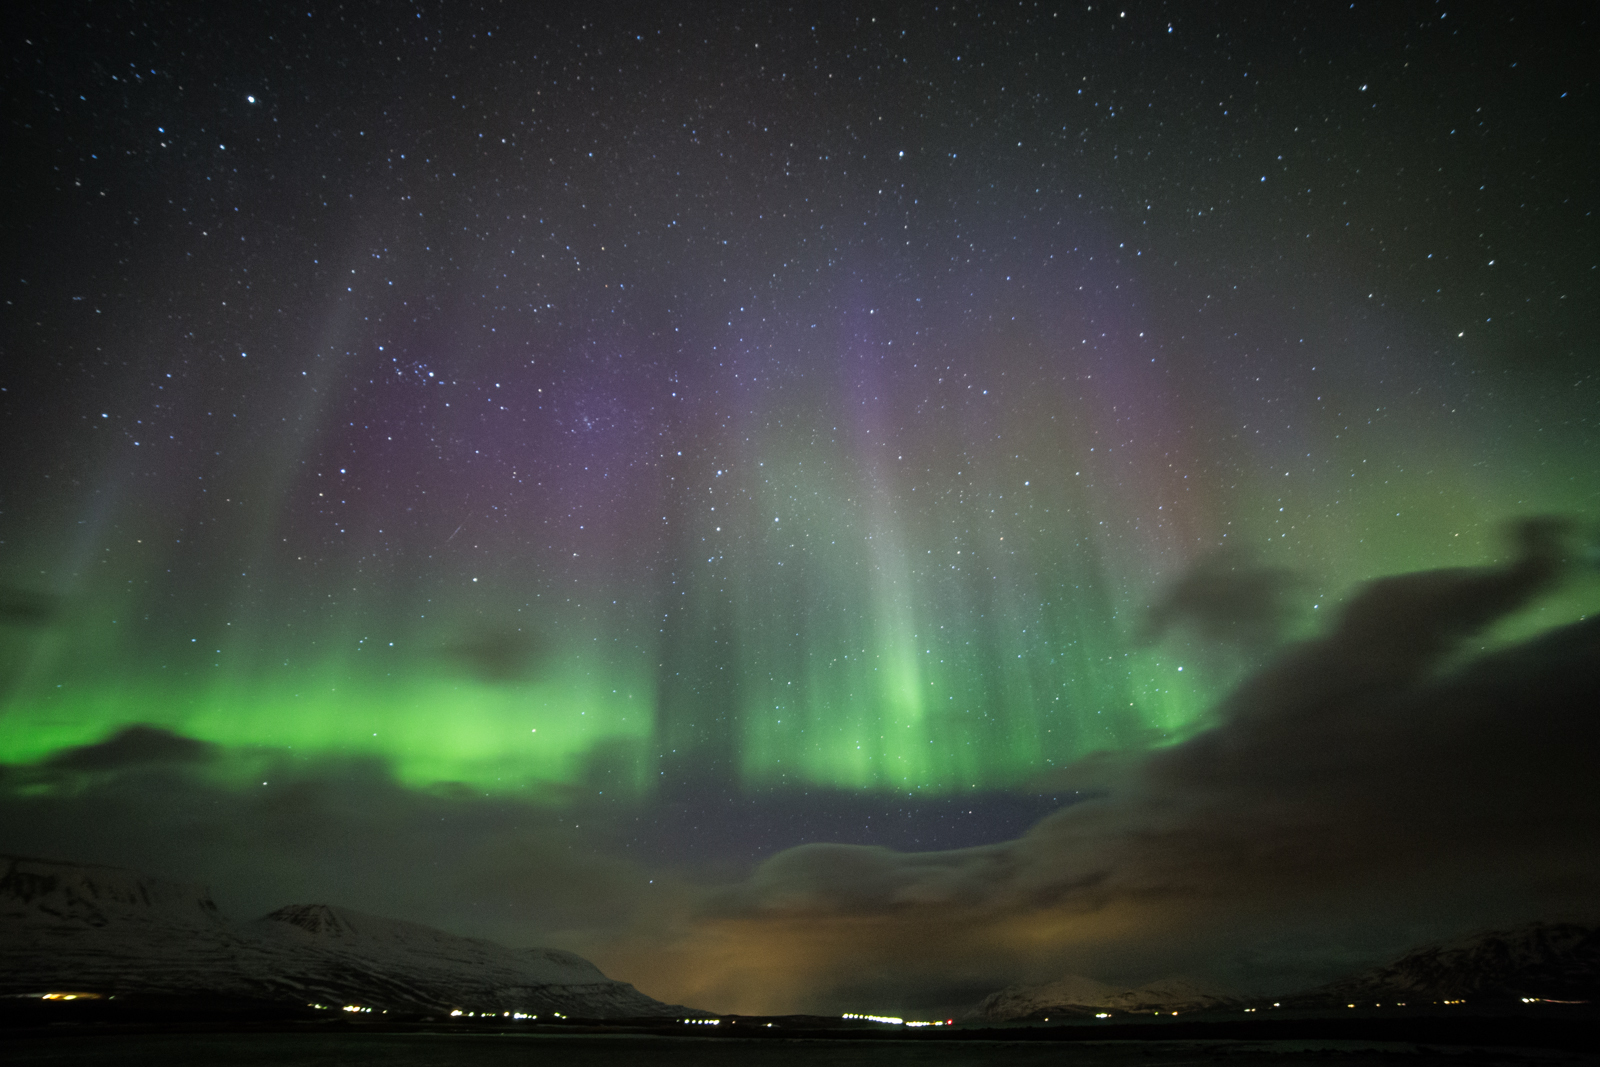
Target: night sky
{"x":833,"y":508}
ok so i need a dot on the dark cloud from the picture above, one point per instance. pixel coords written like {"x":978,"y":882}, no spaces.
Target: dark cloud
{"x":857,"y":879}
{"x":1226,"y":597}
{"x":133,"y":746}
{"x":27,"y":607}
{"x":506,"y":654}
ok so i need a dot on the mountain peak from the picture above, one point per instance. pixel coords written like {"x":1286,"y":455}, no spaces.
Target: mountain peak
{"x":323,"y":920}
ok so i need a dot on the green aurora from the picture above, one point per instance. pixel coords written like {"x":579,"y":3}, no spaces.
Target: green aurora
{"x":823,"y":626}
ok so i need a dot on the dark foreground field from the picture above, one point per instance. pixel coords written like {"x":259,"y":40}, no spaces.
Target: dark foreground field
{"x":181,"y":1034}
{"x":356,"y":1049}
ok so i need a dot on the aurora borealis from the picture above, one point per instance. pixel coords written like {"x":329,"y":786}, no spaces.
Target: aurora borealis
{"x":635,"y":429}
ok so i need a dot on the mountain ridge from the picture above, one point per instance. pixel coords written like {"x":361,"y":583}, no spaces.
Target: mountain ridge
{"x":88,"y":927}
{"x":1537,"y":960}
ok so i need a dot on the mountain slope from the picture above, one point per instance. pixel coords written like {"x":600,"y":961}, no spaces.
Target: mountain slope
{"x":1558,"y":961}
{"x":74,"y":927}
{"x":328,"y":953}
{"x":78,"y":927}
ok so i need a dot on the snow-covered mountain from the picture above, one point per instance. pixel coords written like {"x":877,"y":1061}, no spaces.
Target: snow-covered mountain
{"x":1557,"y":961}
{"x":325,"y":953}
{"x":73,"y":927}
{"x":1076,"y":995}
